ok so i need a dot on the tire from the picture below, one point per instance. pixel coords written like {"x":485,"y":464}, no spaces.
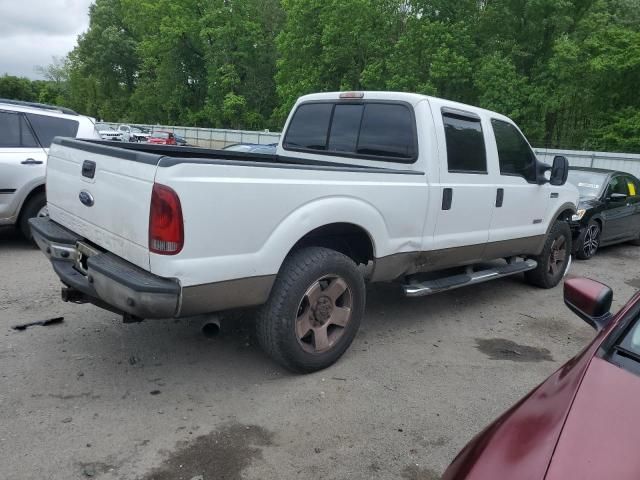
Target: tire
{"x":34,"y":207}
{"x":551,"y":266}
{"x":636,"y":241}
{"x":589,"y":241}
{"x":305,"y":302}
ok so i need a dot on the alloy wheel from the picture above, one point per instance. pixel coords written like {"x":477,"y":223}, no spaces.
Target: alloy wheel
{"x":324,"y":313}
{"x":591,"y":240}
{"x":558,"y":255}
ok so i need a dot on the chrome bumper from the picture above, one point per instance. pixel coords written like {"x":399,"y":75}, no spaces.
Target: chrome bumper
{"x":105,"y":279}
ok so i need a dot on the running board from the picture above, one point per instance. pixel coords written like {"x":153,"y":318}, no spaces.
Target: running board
{"x":430,"y":287}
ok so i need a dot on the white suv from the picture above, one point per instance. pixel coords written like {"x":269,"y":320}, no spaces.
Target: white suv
{"x":26,"y":132}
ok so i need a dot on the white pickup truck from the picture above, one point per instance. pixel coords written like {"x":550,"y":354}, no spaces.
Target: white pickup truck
{"x":364,"y":187}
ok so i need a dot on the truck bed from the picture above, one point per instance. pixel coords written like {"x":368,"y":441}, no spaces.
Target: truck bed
{"x":167,"y":155}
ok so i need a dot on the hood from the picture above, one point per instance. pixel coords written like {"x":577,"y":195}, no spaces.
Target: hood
{"x":587,"y":202}
{"x":519,"y":444}
{"x":601,"y":435}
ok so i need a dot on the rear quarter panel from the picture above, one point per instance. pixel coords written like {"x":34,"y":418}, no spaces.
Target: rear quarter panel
{"x":242,"y":221}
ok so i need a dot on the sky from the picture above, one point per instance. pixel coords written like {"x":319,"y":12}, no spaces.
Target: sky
{"x":34,"y":31}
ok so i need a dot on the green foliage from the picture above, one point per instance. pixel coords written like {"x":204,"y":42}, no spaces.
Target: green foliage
{"x":565,"y":70}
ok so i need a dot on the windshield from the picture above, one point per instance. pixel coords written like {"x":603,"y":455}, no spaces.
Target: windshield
{"x":589,"y":184}
{"x":160,"y":135}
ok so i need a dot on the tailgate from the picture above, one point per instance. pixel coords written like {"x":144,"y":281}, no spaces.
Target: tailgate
{"x":109,"y":207}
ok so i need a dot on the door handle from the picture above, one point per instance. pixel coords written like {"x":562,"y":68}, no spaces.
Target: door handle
{"x":32,"y":161}
{"x":499,"y":197}
{"x":447,"y":198}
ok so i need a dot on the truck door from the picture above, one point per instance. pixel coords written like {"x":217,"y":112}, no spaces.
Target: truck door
{"x":22,"y":161}
{"x":521,"y":206}
{"x":466,"y":191}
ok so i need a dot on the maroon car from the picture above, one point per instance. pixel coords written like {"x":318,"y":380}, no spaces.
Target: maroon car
{"x":583,"y":422}
{"x":163,"y":138}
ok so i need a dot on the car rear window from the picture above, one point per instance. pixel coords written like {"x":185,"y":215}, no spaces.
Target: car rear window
{"x":369,"y":130}
{"x":160,"y":135}
{"x":47,"y":128}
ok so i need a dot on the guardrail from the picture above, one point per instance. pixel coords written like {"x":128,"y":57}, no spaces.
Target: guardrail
{"x":625,"y":162}
{"x":212,"y":137}
{"x":220,"y":138}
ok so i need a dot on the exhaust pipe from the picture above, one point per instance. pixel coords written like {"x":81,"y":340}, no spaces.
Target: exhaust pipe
{"x":72,"y":295}
{"x":211,"y":328}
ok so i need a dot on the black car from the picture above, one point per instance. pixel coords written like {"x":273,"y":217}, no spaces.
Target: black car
{"x":608,"y":212}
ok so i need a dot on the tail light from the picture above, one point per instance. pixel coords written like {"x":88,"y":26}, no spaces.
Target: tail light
{"x":166,"y":227}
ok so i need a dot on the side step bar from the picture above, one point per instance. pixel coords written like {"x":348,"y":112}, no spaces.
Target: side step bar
{"x":437,"y":285}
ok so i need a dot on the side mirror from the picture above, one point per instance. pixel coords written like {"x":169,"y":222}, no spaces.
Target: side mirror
{"x":617,"y":197}
{"x":559,"y":171}
{"x":590,"y":300}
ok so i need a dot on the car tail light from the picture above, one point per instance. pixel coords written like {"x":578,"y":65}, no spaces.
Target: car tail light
{"x":166,"y":227}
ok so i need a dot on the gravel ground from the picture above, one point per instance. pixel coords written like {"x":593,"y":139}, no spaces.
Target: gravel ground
{"x":92,"y":397}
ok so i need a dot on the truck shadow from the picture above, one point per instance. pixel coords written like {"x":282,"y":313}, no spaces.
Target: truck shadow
{"x":10,"y":237}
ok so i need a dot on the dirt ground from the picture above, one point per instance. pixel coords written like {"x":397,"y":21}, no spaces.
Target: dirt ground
{"x":92,"y":397}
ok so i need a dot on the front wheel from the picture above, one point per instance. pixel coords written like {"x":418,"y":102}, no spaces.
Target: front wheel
{"x":589,"y":241}
{"x":314,"y":310}
{"x":554,"y":260}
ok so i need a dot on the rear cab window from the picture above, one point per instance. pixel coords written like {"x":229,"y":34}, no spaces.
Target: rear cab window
{"x":373,"y":130}
{"x":47,"y":127}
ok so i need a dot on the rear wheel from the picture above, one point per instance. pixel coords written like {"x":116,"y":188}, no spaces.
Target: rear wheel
{"x":636,"y":241}
{"x":36,"y":206}
{"x":554,"y":259}
{"x":589,"y":241}
{"x":314,"y":310}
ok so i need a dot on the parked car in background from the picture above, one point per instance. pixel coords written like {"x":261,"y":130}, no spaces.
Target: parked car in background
{"x":134,"y":134}
{"x":582,"y":422}
{"x":161,"y":137}
{"x":180,"y":141}
{"x":404,"y":185}
{"x":26,"y":132}
{"x":107,"y":132}
{"x":253,"y":148}
{"x":608,"y":212}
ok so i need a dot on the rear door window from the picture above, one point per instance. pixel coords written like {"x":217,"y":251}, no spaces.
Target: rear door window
{"x":15,"y":131}
{"x":514,"y":153}
{"x":466,"y":151}
{"x":47,"y":127}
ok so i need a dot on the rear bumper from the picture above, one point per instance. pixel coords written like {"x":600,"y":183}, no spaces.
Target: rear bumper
{"x":110,"y":282}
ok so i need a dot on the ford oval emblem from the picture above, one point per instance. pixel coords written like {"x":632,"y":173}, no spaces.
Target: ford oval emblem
{"x":86,"y":198}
